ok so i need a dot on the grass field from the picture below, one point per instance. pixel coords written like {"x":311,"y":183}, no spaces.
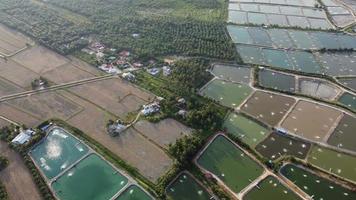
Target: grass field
{"x":340,"y":164}
{"x":230,"y":164}
{"x":247,"y":130}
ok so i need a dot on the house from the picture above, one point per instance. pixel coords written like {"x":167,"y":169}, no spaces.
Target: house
{"x":23,"y":137}
{"x":182,"y":113}
{"x":137,"y":64}
{"x":153,"y":71}
{"x":108,"y":68}
{"x":100,"y":55}
{"x":116,"y":128}
{"x":166,"y":70}
{"x":128,"y":76}
{"x":124,"y":53}
{"x":151,"y":108}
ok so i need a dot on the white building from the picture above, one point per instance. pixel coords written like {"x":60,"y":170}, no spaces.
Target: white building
{"x":23,"y":137}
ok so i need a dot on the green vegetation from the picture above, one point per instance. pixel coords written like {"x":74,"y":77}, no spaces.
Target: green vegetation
{"x":192,"y":28}
{"x":3,"y":164}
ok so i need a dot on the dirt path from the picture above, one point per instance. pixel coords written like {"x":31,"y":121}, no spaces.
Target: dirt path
{"x":16,"y":177}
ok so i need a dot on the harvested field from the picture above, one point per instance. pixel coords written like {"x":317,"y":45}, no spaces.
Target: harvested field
{"x":7,"y":88}
{"x":234,"y":73}
{"x":311,"y":121}
{"x":344,"y":135}
{"x":164,"y":132}
{"x":11,"y":41}
{"x":46,"y":105}
{"x":39,"y":59}
{"x":151,"y":161}
{"x":16,"y":177}
{"x":276,"y":146}
{"x":227,"y":93}
{"x":18,"y":116}
{"x":66,"y":73}
{"x":85,"y":66}
{"x":229,"y":163}
{"x":270,"y":188}
{"x":267,"y":107}
{"x":340,"y":164}
{"x":17,"y":74}
{"x":247,"y":130}
{"x":109,"y":93}
{"x":3,"y":123}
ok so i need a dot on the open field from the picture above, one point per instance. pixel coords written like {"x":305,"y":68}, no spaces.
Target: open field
{"x":316,"y":186}
{"x":57,"y":152}
{"x":270,"y":188}
{"x":227,"y":93}
{"x":247,"y":130}
{"x":311,"y":121}
{"x":276,"y":146}
{"x":340,"y":164}
{"x":39,"y":59}
{"x":11,"y":41}
{"x":230,"y":164}
{"x":92,"y":178}
{"x":241,"y":74}
{"x":18,"y":116}
{"x":3,"y":123}
{"x":66,"y":73}
{"x":267,"y":107}
{"x":276,"y":80}
{"x":185,"y":187}
{"x":164,"y":132}
{"x":134,"y":192}
{"x":7,"y":88}
{"x":344,"y":134}
{"x":110,"y":94}
{"x":46,"y":105}
{"x":16,"y":177}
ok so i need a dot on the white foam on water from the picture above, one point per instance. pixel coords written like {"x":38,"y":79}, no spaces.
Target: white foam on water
{"x":122,"y":182}
{"x":64,"y":165}
{"x":131,"y":191}
{"x":53,"y":149}
{"x":70,"y":173}
{"x":44,"y":164}
{"x":59,"y":133}
{"x":200,"y":192}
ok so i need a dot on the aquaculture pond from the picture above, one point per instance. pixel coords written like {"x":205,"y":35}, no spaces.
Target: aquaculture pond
{"x":57,"y":151}
{"x":318,"y":88}
{"x":277,"y":58}
{"x":276,"y":146}
{"x":230,"y":164}
{"x":227,"y":93}
{"x":276,"y":80}
{"x":250,"y":54}
{"x":133,"y":192}
{"x":344,"y":135}
{"x":316,"y":186}
{"x":186,"y":188}
{"x":92,"y":178}
{"x":240,"y":74}
{"x":348,"y":82}
{"x":270,"y":188}
{"x":249,"y":131}
{"x":349,"y":100}
{"x":340,"y":164}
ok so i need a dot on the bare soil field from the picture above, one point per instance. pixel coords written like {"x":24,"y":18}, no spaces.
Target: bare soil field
{"x":40,"y":59}
{"x":164,"y":132}
{"x":151,"y":161}
{"x":7,"y":88}
{"x":66,"y":73}
{"x":11,"y":41}
{"x":85,"y":66}
{"x":267,"y":107}
{"x":109,"y":93}
{"x":310,"y":120}
{"x":46,"y":105}
{"x":16,"y":177}
{"x":16,"y":73}
{"x":18,"y":116}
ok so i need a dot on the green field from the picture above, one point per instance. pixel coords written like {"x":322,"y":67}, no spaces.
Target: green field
{"x":270,"y":189}
{"x":57,"y":152}
{"x":247,"y":130}
{"x":315,"y":186}
{"x":231,"y":165}
{"x":226,"y":93}
{"x":134,"y":192}
{"x":340,"y":164}
{"x":92,"y":178}
{"x":186,"y":188}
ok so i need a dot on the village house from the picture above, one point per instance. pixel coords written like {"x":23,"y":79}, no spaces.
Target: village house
{"x":23,"y":137}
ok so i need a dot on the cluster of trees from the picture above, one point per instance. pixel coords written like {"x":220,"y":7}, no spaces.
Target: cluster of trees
{"x":191,"y":28}
{"x":186,"y":148}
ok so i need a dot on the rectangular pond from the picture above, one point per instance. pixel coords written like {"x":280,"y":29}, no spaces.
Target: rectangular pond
{"x":241,"y":74}
{"x":344,"y":134}
{"x":133,"y":192}
{"x":186,"y":188}
{"x":57,"y":152}
{"x":276,"y":80}
{"x":92,"y":178}
{"x":316,"y":186}
{"x":229,"y":163}
{"x":349,"y":100}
